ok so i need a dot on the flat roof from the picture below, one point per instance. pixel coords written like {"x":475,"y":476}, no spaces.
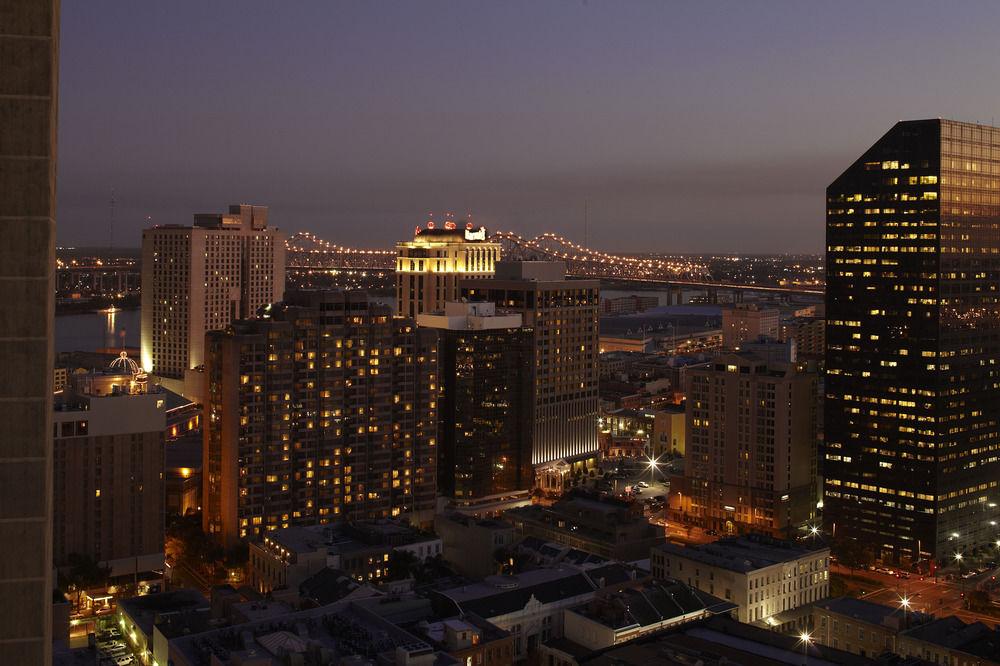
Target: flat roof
{"x":743,"y":553}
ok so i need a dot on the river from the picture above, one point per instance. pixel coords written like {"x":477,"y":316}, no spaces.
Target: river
{"x":96,"y":330}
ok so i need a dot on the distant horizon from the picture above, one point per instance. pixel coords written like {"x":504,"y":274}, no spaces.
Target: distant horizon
{"x":138,"y":250}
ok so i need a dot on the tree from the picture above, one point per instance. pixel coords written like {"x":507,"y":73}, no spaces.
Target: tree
{"x":84,"y":572}
{"x":402,"y":565}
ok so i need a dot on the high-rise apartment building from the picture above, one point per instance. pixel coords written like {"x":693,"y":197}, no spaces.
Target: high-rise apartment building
{"x":563,"y":316}
{"x":485,"y":360}
{"x":200,"y":278}
{"x":324,"y":410}
{"x":744,"y":322}
{"x":750,"y":464}
{"x":913,"y":387}
{"x":109,"y":430}
{"x":428,"y":267}
{"x":29,"y":85}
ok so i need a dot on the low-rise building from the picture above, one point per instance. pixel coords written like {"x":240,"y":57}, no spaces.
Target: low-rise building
{"x":714,"y":641}
{"x":140,"y":618}
{"x":471,"y":545}
{"x":611,"y":528}
{"x":949,"y":640}
{"x":285,"y":558}
{"x":471,"y":640}
{"x":529,"y":605}
{"x":347,"y":632}
{"x":625,"y":613}
{"x":764,"y":577}
{"x":860,"y":627}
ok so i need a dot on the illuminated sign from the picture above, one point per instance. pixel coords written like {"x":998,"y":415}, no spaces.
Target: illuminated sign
{"x":477,"y":235}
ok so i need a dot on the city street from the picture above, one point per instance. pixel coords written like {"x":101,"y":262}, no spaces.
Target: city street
{"x":938,"y":597}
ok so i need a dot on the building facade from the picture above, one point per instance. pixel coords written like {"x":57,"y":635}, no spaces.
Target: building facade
{"x":108,"y":474}
{"x":324,"y":410}
{"x":610,"y":528}
{"x":285,"y":558}
{"x":563,"y":316}
{"x":429,"y":267}
{"x":29,"y":87}
{"x":764,"y":577}
{"x":200,"y":278}
{"x":912,"y":388}
{"x":751,"y":446}
{"x":485,"y":410}
{"x":747,"y":321}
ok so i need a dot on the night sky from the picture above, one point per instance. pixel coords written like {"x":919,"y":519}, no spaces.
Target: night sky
{"x":687,"y":126}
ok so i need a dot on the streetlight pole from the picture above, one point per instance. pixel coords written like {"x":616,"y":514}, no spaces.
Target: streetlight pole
{"x":805,"y":639}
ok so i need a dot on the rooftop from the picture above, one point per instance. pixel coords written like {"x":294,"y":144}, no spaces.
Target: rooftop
{"x":345,"y":538}
{"x":868,"y":611}
{"x":951,"y":632}
{"x":648,"y":604}
{"x":716,"y":641}
{"x":343,"y":629}
{"x":499,"y":595}
{"x":743,"y":553}
{"x":145,"y":610}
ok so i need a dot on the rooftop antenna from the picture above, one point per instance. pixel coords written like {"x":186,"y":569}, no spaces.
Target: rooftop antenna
{"x":586,"y":222}
{"x":111,"y":221}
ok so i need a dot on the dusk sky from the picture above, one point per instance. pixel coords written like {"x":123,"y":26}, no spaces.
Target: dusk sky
{"x":687,"y":126}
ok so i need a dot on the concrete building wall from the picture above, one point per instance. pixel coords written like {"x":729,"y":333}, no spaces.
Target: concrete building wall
{"x":563,"y":315}
{"x":747,"y":321}
{"x":200,"y":278}
{"x":29,"y":57}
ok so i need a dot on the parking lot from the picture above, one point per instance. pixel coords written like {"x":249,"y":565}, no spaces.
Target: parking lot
{"x":113,"y":648}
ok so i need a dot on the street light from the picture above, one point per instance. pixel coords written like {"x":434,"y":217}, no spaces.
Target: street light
{"x":652,"y":470}
{"x":805,"y":638}
{"x":904,"y":603}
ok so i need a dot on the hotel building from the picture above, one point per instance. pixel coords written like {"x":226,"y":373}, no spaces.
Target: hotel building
{"x":485,"y":410}
{"x":428,"y":267}
{"x":912,"y":464}
{"x":200,"y":278}
{"x":750,"y":464}
{"x":563,"y":316}
{"x":324,"y":410}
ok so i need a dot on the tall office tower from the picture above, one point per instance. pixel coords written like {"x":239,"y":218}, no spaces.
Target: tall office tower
{"x":428,"y":267}
{"x":485,"y":410}
{"x":751,"y":446}
{"x":324,"y":410}
{"x":108,"y":480}
{"x":744,"y":322}
{"x":912,"y":389}
{"x":200,"y":278}
{"x":29,"y":42}
{"x":563,"y":317}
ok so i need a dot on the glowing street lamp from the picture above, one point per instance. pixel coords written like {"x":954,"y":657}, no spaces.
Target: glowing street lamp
{"x":805,"y":639}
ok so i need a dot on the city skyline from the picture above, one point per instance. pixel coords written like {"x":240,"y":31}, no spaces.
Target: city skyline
{"x":679,"y":122}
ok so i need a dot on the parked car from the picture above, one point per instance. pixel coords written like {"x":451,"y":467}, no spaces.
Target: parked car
{"x":642,"y":484}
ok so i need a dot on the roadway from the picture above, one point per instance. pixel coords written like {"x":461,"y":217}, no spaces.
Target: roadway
{"x":926,"y":594}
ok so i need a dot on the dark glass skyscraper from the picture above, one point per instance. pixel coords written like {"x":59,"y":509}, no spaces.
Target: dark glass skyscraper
{"x":913,"y":339}
{"x":485,"y":406}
